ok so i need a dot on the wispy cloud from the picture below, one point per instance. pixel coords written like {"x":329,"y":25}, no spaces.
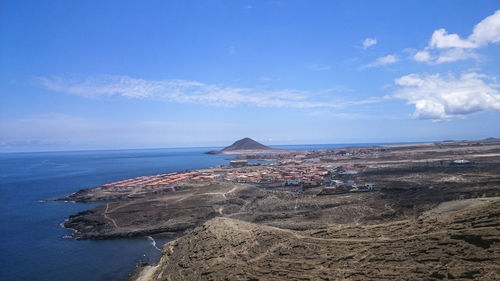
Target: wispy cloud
{"x":62,"y":131}
{"x":186,"y":91}
{"x":382,"y":61}
{"x":368,"y":42}
{"x":439,"y":97}
{"x":445,"y":47}
{"x":266,"y":78}
{"x":318,"y":67}
{"x":351,"y":115}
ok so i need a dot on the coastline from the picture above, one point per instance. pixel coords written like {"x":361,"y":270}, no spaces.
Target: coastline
{"x":141,"y":273}
{"x":223,"y":196}
{"x":179,"y":186}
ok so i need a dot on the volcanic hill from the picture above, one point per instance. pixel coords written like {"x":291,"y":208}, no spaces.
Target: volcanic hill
{"x":245,"y":146}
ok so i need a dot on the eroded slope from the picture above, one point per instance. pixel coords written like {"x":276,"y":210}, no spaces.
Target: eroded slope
{"x":462,"y":244}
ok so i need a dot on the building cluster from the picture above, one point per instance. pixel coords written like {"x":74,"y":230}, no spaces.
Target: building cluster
{"x":283,"y":175}
{"x":150,"y":182}
{"x":300,"y":170}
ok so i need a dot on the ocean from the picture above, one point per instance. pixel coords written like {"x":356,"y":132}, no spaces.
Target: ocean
{"x":32,"y":242}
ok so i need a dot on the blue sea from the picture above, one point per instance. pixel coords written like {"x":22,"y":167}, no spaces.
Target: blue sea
{"x":32,"y":242}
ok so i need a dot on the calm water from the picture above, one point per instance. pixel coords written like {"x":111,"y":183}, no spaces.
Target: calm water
{"x":32,"y":246}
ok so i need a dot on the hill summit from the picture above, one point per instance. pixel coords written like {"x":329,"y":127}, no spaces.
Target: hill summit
{"x":246,"y":144}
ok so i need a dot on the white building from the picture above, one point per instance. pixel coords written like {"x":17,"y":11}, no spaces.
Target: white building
{"x":369,"y":186}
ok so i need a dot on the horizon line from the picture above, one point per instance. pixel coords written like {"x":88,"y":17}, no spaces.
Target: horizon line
{"x":222,"y":146}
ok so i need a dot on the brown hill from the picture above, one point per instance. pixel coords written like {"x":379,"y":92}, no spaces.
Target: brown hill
{"x":246,"y":144}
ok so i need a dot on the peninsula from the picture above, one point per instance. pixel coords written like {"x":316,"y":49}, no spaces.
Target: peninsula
{"x":416,"y":211}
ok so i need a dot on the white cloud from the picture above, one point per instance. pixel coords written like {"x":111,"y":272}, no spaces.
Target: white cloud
{"x":318,"y":67}
{"x":381,"y":61}
{"x":389,"y":59}
{"x":441,"y":39}
{"x":368,"y":42}
{"x":185,"y":91}
{"x":455,"y":54}
{"x":422,"y":56}
{"x":487,"y":31}
{"x":451,"y":47}
{"x":439,"y":97}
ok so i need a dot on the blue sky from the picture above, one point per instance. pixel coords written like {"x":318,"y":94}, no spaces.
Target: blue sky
{"x":139,"y":74}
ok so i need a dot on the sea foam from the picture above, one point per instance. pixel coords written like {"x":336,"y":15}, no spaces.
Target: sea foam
{"x":153,"y":242}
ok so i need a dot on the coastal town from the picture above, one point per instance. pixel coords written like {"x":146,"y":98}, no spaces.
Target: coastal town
{"x":296,"y":177}
{"x":320,"y":172}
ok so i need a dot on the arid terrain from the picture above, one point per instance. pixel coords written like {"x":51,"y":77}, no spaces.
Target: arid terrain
{"x":457,"y":245}
{"x":424,"y":211}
